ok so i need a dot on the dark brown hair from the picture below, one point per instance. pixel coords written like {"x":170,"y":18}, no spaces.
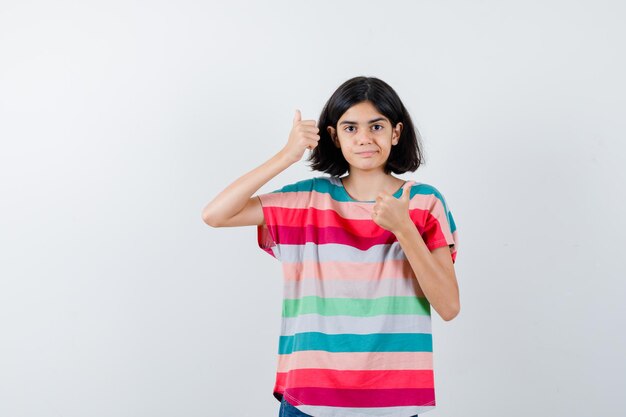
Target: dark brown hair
{"x":406,"y":156}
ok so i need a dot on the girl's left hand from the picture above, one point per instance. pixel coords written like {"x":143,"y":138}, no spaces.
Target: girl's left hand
{"x":392,"y":213}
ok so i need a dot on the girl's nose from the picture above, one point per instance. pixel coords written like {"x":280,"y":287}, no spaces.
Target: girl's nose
{"x":364,"y":138}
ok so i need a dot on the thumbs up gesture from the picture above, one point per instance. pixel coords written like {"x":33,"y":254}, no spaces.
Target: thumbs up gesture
{"x":303,"y":135}
{"x":392,"y":213}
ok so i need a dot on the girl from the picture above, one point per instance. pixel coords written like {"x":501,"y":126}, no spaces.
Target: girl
{"x":364,"y":258}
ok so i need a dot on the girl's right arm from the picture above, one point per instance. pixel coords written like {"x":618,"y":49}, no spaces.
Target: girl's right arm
{"x":234,"y":206}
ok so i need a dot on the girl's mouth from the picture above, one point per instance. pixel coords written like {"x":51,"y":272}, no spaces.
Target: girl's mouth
{"x":366,"y":154}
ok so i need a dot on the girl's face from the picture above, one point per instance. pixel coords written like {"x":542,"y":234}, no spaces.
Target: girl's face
{"x":365,"y":137}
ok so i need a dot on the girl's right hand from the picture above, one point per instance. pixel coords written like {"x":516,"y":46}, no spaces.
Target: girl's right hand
{"x":303,"y":135}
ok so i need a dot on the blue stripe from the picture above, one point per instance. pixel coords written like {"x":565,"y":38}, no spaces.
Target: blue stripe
{"x":380,"y":342}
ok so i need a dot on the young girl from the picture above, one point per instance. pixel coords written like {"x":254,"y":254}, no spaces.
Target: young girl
{"x":364,"y":258}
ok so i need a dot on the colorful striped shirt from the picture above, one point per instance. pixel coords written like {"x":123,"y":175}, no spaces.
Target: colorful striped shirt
{"x":356,"y":337}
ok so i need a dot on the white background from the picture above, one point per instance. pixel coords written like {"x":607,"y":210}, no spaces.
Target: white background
{"x":120,"y":120}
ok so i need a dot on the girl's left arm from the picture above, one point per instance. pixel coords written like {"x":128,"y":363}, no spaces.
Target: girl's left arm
{"x":434,"y":271}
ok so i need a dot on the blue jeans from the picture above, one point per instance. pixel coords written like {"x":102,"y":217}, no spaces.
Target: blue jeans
{"x":288,"y":410}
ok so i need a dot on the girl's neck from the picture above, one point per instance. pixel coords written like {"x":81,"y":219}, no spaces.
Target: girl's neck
{"x":365,"y":186}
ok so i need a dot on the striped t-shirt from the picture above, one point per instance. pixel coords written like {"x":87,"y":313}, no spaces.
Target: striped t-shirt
{"x":356,"y":337}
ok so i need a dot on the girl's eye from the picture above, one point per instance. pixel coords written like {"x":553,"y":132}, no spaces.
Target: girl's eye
{"x":350,"y":127}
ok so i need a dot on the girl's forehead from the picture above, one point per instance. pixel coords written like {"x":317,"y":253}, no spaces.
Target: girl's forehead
{"x":363,"y":112}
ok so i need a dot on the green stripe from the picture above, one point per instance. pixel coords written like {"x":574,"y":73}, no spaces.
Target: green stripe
{"x":361,"y":307}
{"x":384,"y":342}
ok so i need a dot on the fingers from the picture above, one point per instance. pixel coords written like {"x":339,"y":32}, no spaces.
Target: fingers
{"x":297,"y":119}
{"x":306,"y":129}
{"x":406,"y":190}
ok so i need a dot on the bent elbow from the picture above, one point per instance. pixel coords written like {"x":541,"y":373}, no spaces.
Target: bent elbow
{"x":451,"y":313}
{"x":206,"y":218}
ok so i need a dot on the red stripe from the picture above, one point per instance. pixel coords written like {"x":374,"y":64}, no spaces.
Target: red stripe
{"x":332,"y":219}
{"x":343,"y":379}
{"x":432,"y":230}
{"x":281,"y":378}
{"x":325,"y":226}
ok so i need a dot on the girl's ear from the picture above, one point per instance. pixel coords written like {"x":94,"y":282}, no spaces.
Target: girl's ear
{"x":333,"y":135}
{"x":398,"y":130}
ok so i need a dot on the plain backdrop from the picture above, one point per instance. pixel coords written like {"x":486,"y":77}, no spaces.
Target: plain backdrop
{"x":120,"y":120}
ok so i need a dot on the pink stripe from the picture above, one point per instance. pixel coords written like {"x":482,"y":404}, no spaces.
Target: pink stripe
{"x":289,"y":207}
{"x":362,"y":397}
{"x":349,"y":209}
{"x":393,"y":268}
{"x":355,"y":360}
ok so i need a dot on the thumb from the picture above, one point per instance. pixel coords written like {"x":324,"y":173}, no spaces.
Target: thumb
{"x":297,"y":117}
{"x":406,"y":190}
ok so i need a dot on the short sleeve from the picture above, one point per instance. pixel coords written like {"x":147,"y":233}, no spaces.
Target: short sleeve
{"x":440,"y":227}
{"x":268,"y":234}
{"x":285,"y":213}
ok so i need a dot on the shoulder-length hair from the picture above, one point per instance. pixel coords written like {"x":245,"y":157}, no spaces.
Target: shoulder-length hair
{"x":406,"y":156}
